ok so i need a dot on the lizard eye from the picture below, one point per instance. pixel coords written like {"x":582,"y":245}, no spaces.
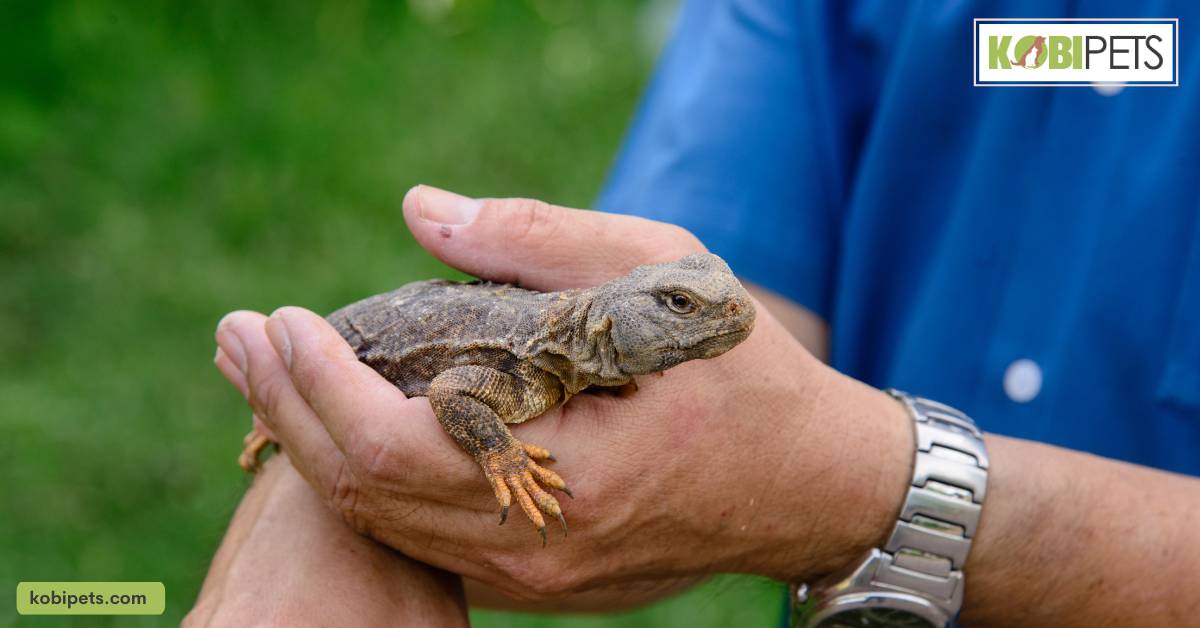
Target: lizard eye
{"x":680,"y":303}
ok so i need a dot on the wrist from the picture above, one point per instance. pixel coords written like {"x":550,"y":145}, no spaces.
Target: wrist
{"x":846,"y":475}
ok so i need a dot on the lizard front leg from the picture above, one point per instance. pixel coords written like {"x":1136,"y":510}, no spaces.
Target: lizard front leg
{"x":473,"y":404}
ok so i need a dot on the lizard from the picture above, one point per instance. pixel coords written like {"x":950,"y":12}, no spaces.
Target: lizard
{"x":488,"y":355}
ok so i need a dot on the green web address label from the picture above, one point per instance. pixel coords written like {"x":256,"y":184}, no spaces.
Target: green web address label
{"x":91,"y":598}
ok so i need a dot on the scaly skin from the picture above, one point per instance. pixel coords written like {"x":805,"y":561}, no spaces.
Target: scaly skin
{"x":488,"y":355}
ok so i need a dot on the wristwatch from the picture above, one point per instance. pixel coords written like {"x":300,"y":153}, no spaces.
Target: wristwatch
{"x":916,"y":578}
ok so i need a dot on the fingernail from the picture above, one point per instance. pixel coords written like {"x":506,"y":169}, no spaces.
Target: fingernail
{"x":277,"y":332}
{"x":229,"y":342}
{"x":446,"y":208}
{"x":230,"y":370}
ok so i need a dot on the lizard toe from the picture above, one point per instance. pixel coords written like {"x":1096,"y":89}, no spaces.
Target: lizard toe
{"x":514,"y":476}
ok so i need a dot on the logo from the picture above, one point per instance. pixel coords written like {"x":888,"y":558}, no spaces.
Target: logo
{"x":1076,"y":52}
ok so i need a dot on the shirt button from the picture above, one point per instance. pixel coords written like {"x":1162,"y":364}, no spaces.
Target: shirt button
{"x":1023,"y":380}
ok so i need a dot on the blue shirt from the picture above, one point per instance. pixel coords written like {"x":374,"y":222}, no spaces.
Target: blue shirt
{"x":837,"y":153}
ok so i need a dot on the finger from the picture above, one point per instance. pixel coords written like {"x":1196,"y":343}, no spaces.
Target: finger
{"x":381,"y":432}
{"x":233,"y":371}
{"x":280,"y":407}
{"x":448,"y":537}
{"x":537,"y":245}
{"x":230,"y":359}
{"x":444,"y":531}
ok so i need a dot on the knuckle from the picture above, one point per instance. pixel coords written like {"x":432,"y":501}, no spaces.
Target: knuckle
{"x":373,"y":459}
{"x":536,"y":580}
{"x":343,"y":498}
{"x":530,"y":221}
{"x":551,"y":585}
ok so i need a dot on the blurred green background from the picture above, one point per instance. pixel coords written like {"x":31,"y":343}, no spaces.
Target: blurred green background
{"x":162,"y":163}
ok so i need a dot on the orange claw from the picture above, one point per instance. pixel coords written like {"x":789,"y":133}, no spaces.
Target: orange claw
{"x":503,"y":496}
{"x":254,"y":443}
{"x":539,"y":453}
{"x":549,"y":478}
{"x":514,"y":475}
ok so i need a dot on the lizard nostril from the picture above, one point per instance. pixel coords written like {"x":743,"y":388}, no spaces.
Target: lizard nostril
{"x":733,"y":307}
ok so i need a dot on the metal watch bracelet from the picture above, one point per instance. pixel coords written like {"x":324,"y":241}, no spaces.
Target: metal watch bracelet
{"x":928,"y":547}
{"x":923,"y":558}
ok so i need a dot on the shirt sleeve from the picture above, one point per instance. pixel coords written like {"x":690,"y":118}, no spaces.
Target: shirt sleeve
{"x":746,"y":137}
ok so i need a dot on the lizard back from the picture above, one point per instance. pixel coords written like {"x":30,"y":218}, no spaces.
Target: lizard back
{"x":413,"y":333}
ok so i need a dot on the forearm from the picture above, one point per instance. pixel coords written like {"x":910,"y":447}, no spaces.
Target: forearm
{"x":1067,"y":538}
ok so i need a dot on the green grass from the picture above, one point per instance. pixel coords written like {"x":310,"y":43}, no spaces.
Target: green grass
{"x":162,"y":163}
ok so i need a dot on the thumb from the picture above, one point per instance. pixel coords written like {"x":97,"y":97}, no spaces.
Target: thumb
{"x":535,"y":244}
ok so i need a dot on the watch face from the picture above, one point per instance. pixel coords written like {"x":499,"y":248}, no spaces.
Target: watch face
{"x":875,"y":618}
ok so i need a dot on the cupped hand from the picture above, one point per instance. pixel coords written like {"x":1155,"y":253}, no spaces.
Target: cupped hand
{"x":718,"y":465}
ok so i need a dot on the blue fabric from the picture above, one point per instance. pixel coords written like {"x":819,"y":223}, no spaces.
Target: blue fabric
{"x":838,"y":154}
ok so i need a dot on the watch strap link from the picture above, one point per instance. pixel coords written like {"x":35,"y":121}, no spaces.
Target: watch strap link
{"x":928,"y":546}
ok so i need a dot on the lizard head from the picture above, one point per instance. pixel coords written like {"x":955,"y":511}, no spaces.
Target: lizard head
{"x":661,"y":315}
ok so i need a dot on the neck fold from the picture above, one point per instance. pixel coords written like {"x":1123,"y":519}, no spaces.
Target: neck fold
{"x":579,"y":348}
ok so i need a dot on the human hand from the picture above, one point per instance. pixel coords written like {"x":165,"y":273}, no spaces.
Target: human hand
{"x":762,"y":460}
{"x":287,"y":561}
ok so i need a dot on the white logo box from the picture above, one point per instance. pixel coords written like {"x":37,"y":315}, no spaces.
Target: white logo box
{"x":1166,"y":31}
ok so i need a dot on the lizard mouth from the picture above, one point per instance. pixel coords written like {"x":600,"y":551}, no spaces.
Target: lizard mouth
{"x":720,"y":340}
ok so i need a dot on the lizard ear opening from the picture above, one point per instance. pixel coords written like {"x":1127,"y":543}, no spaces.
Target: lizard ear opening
{"x":601,"y":327}
{"x":604,"y":360}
